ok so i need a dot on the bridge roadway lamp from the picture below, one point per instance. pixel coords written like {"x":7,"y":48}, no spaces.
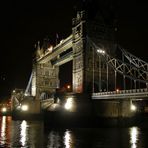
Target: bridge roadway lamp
{"x":4,"y":109}
{"x":24,"y":107}
{"x":68,"y":87}
{"x":101,"y":51}
{"x":14,"y":91}
{"x":133,"y":107}
{"x":69,"y":104}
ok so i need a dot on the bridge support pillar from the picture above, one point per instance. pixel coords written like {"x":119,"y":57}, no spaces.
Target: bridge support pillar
{"x":113,"y":108}
{"x":30,"y":109}
{"x":125,"y":108}
{"x":79,"y":41}
{"x":45,"y":79}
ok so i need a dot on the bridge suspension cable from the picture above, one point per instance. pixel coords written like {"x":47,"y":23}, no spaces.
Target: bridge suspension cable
{"x":28,"y":91}
{"x":132,"y":68}
{"x":135,"y":60}
{"x":126,"y":69}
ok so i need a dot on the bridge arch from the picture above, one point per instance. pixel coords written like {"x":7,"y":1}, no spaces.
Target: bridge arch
{"x":44,"y":95}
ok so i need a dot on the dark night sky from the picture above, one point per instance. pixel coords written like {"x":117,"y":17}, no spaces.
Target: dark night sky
{"x":24,"y":23}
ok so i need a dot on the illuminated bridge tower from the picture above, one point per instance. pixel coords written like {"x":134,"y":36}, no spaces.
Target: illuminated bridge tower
{"x":88,"y":71}
{"x":44,"y":76}
{"x":79,"y":49}
{"x":86,"y":65}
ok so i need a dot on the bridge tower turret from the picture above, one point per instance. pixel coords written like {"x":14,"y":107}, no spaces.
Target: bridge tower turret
{"x":85,"y":59}
{"x":44,"y":76}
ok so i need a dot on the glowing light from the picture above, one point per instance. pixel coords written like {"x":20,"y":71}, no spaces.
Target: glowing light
{"x":101,"y":51}
{"x":68,"y":141}
{"x":68,"y":86}
{"x":50,"y":48}
{"x":133,"y":107}
{"x":3,"y":130}
{"x":134,"y":137}
{"x":69,"y":104}
{"x":54,"y":107}
{"x":24,"y":107}
{"x":23,"y":132}
{"x":117,"y":90}
{"x":4,"y":109}
{"x":26,"y":94}
{"x":53,"y":140}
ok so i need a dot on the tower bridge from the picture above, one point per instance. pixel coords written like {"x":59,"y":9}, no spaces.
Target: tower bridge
{"x":97,"y":69}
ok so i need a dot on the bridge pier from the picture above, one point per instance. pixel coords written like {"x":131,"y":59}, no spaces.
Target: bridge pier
{"x":113,"y":108}
{"x":29,"y":108}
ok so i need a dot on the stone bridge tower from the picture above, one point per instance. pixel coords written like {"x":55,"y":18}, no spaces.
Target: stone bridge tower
{"x":79,"y":46}
{"x":86,"y":64}
{"x":45,"y":77}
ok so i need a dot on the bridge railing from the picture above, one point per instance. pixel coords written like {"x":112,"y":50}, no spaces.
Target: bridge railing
{"x":130,"y":91}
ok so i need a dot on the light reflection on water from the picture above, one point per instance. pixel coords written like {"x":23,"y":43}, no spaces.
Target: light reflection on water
{"x":53,"y":140}
{"x":134,"y":133}
{"x":32,"y":134}
{"x":68,"y":140}
{"x":5,"y":131}
{"x":27,"y":134}
{"x":24,"y":133}
{"x":58,"y":138}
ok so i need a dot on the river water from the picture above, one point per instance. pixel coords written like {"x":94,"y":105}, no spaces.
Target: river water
{"x":33,"y":134}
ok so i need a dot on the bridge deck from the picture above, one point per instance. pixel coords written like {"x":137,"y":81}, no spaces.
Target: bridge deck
{"x":63,"y":46}
{"x":64,"y":59}
{"x":122,"y":94}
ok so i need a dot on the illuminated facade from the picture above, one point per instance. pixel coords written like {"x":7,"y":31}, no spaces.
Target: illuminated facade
{"x":78,"y":49}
